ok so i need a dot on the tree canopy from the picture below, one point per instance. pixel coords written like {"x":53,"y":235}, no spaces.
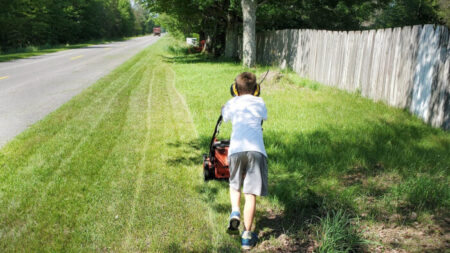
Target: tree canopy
{"x":409,"y":12}
{"x":213,"y":17}
{"x":39,"y":22}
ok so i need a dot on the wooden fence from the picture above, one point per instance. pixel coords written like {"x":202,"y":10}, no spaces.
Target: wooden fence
{"x":406,"y":67}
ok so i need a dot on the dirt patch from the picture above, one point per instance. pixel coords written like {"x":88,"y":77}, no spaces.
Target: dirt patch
{"x":285,"y":243}
{"x":360,"y":175}
{"x":406,"y":238}
{"x":354,"y":178}
{"x":271,"y":77}
{"x":276,"y":81}
{"x":276,"y":237}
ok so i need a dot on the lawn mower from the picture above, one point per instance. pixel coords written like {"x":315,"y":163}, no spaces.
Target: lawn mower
{"x":215,"y":164}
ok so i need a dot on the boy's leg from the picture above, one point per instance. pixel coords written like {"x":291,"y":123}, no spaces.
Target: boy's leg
{"x":235,"y":197}
{"x":249,"y":211}
{"x":235,"y":216}
{"x":236,"y":166}
{"x":255,"y":184}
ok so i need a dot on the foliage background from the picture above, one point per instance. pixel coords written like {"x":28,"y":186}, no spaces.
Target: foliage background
{"x":213,"y":18}
{"x":47,"y":22}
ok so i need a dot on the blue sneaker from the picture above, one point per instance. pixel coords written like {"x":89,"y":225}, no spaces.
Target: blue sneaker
{"x":248,"y":240}
{"x":235,"y":220}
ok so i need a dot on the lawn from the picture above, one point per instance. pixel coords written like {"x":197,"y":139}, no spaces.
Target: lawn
{"x":118,"y":168}
{"x":334,"y":158}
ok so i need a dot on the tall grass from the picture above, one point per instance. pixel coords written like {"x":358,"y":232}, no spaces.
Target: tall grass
{"x":424,"y":192}
{"x":338,"y":234}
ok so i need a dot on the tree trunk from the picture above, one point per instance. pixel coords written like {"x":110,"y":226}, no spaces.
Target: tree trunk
{"x":231,"y":36}
{"x":249,"y":36}
{"x":208,"y":44}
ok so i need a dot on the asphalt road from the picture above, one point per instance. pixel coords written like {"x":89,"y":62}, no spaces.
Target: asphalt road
{"x":33,"y":87}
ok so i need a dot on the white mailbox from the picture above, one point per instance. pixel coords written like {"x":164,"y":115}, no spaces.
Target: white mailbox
{"x":191,"y":41}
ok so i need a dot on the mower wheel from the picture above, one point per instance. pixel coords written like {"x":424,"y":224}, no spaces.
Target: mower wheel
{"x":206,"y":171}
{"x":206,"y":174}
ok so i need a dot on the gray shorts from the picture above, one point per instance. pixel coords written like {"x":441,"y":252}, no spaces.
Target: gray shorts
{"x":250,"y":169}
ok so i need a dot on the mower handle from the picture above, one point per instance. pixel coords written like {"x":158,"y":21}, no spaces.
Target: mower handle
{"x":216,"y":130}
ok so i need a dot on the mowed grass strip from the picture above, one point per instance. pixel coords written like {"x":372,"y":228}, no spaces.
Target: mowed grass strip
{"x":114,"y":169}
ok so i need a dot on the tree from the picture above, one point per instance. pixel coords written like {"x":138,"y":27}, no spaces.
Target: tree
{"x":39,"y":22}
{"x":144,"y":23}
{"x":232,"y":29}
{"x":219,"y":21}
{"x":249,"y":35}
{"x":208,"y":18}
{"x":395,"y":13}
{"x":444,"y":11}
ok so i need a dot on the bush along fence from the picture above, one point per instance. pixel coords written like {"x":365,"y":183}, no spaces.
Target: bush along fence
{"x":406,"y":67}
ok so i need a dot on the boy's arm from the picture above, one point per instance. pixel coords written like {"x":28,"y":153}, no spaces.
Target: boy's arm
{"x":225,"y":112}
{"x":264,"y":113}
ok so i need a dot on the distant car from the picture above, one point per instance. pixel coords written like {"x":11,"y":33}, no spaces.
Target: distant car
{"x":157,"y":31}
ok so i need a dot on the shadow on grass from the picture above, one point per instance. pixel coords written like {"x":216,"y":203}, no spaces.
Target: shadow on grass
{"x":182,"y":55}
{"x":196,"y":58}
{"x":190,"y":156}
{"x":325,"y":171}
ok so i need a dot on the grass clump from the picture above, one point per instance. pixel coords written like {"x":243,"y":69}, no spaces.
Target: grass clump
{"x":424,"y":193}
{"x":338,"y":234}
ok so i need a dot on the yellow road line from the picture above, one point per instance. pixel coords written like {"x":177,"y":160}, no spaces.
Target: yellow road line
{"x":76,"y":57}
{"x":107,"y":48}
{"x":3,"y":77}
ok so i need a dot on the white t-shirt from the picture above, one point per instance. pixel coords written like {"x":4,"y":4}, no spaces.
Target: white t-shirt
{"x":246,"y":113}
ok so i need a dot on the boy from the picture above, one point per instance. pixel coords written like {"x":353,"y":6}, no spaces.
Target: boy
{"x":247,"y":156}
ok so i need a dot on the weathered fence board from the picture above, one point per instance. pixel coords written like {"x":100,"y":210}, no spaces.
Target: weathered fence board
{"x":405,"y":67}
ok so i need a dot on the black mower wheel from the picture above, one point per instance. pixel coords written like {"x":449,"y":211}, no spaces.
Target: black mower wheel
{"x":206,"y":172}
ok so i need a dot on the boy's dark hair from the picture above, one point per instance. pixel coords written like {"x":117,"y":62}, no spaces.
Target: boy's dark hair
{"x":246,"y":82}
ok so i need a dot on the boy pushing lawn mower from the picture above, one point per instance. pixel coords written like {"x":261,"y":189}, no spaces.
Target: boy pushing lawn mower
{"x":247,"y":156}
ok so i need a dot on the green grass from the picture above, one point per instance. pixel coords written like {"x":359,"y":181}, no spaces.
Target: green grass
{"x":338,"y":234}
{"x":30,"y":51}
{"x":118,"y":168}
{"x":329,"y":150}
{"x":112,"y":170}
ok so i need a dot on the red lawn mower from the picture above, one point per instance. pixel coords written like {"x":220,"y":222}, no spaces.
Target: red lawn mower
{"x":215,"y":164}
